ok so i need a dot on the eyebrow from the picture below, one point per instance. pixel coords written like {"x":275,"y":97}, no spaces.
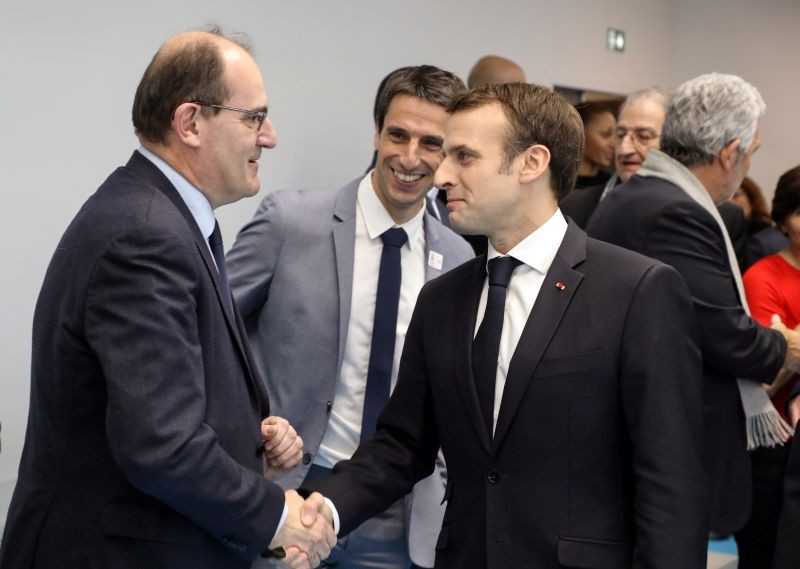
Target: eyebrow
{"x":433,"y":138}
{"x":460,"y":147}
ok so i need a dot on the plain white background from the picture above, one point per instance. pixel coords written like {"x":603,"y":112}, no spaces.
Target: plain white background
{"x":69,"y":71}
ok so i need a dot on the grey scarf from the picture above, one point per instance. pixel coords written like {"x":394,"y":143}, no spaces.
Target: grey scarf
{"x":765,"y":427}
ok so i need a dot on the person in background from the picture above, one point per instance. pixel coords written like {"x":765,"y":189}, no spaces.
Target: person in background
{"x":772,"y":286}
{"x":599,"y":125}
{"x":638,"y":131}
{"x":763,"y":238}
{"x":667,"y":211}
{"x":494,"y":70}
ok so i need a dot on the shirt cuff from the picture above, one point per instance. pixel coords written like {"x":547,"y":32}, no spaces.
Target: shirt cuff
{"x":283,"y":521}
{"x":336,"y":524}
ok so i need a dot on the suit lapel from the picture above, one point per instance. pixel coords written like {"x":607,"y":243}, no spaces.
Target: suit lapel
{"x":463,"y":332}
{"x":344,"y":243}
{"x":142,"y":165}
{"x":558,"y":288}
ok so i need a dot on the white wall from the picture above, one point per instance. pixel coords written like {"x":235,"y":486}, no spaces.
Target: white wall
{"x":69,"y":71}
{"x":760,"y":42}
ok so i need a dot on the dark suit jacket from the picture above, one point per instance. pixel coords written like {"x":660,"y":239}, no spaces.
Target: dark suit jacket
{"x":580,"y":204}
{"x":656,"y":218}
{"x":593,"y":463}
{"x":144,"y":419}
{"x":787,"y":547}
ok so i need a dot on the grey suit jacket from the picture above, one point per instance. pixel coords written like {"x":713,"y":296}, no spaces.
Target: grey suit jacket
{"x":291,"y":271}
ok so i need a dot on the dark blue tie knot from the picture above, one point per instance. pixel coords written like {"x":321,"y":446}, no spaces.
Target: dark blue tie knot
{"x":394,"y":237}
{"x":500,"y":269}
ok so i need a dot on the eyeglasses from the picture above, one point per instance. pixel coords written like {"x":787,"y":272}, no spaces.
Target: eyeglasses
{"x":254,"y":118}
{"x":642,"y":136}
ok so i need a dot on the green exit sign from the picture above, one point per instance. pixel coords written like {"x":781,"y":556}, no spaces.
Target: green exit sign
{"x":615,"y":40}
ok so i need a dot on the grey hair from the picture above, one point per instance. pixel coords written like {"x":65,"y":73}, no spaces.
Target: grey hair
{"x":707,"y":113}
{"x":658,"y":95}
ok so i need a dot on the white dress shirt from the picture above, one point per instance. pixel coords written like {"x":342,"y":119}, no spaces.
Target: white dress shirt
{"x":536,"y":252}
{"x":344,"y":425}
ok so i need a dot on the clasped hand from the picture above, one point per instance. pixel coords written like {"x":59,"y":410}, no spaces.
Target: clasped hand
{"x":307,"y":535}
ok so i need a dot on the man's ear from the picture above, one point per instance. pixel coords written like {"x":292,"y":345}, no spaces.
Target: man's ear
{"x":376,"y":142}
{"x":729,"y":154}
{"x":185,"y":124}
{"x":536,"y":161}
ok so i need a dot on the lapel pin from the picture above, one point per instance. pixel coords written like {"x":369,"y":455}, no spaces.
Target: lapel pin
{"x":561,"y":286}
{"x":435,"y":260}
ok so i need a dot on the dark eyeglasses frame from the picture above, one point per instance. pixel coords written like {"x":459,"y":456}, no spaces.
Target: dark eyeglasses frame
{"x":258,"y":116}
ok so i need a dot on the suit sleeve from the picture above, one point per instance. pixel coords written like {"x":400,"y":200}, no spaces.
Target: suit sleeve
{"x":661,"y":391}
{"x":252,"y":260}
{"x":733,"y":344}
{"x":403,"y":449}
{"x":141,"y":322}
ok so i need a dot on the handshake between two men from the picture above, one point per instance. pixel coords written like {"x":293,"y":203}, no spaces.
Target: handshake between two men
{"x":307,"y":534}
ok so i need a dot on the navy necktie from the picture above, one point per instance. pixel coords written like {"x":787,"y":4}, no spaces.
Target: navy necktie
{"x":384,"y":331}
{"x":486,"y":345}
{"x":218,"y":251}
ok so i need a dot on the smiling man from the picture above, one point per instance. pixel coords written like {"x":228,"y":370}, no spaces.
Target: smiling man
{"x":327,"y":279}
{"x":565,"y":396}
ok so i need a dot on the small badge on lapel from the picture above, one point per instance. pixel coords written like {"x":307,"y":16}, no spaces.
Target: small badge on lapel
{"x":561,"y":286}
{"x":435,"y":260}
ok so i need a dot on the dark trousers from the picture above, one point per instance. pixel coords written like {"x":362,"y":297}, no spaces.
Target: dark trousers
{"x":756,"y":540}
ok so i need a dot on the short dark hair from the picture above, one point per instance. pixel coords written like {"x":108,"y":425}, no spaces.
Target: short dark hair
{"x":536,"y":115}
{"x":787,"y":195}
{"x":192,"y":71}
{"x":425,"y":82}
{"x":591,"y":109}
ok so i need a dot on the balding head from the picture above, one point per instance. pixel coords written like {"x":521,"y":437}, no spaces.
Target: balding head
{"x":188,"y":67}
{"x":495,"y":70}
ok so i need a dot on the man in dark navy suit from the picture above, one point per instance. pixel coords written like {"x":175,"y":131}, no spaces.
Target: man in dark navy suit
{"x":564,"y":389}
{"x":144,"y":442}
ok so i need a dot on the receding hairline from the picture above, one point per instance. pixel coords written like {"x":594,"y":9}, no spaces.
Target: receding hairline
{"x":183,"y":40}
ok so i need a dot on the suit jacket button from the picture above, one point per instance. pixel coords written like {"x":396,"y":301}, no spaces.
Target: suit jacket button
{"x":307,"y":458}
{"x":493,"y":477}
{"x":328,"y":406}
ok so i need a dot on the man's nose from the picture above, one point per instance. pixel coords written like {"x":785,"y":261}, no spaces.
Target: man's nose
{"x":625,"y":145}
{"x":443,"y":178}
{"x":410,"y":156}
{"x":267,"y":137}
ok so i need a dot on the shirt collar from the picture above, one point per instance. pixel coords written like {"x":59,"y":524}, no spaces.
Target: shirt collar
{"x":377,"y":219}
{"x":198,"y":205}
{"x":539,"y":248}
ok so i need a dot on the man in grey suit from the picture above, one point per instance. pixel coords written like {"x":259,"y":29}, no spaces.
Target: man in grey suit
{"x":308,"y":275}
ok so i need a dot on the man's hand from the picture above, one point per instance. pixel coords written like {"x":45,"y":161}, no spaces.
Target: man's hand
{"x":792,"y":361}
{"x":283,"y":447}
{"x":315,"y":504}
{"x":306,"y":536}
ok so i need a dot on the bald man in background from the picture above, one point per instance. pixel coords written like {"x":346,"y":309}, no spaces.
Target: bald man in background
{"x":494,"y":70}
